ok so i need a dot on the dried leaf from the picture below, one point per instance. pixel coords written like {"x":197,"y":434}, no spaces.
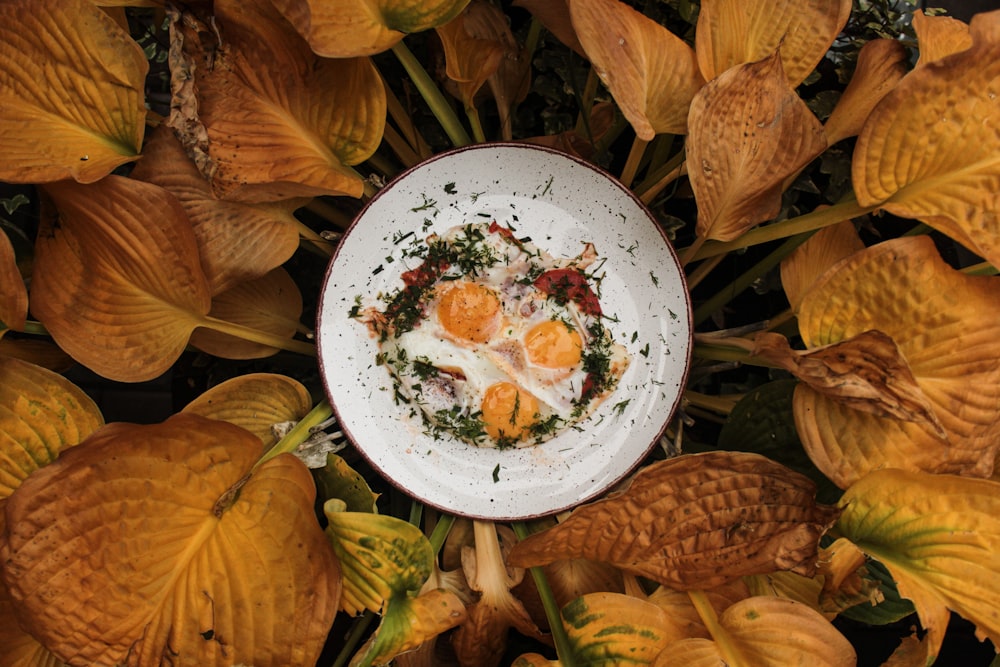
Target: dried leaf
{"x":693,"y":522}
{"x":939,"y":36}
{"x":804,"y":265}
{"x":347,"y":28}
{"x":13,"y":293}
{"x":947,"y":328}
{"x":255,"y":402}
{"x":749,"y":132}
{"x":930,"y":148}
{"x":866,"y":372}
{"x":470,"y":60}
{"x":41,"y":414}
{"x":939,"y":536}
{"x":39,"y":352}
{"x":237,"y":242}
{"x":881,"y":65}
{"x":736,"y":33}
{"x":652,"y":74}
{"x":71,"y":92}
{"x":554,"y":15}
{"x":120,"y":294}
{"x":271,"y":303}
{"x":135,"y":545}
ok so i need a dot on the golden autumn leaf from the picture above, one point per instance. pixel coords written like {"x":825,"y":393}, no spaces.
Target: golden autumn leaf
{"x":255,"y":402}
{"x":866,"y":372}
{"x":750,"y":131}
{"x":69,"y":107}
{"x":693,"y":522}
{"x":346,"y":28}
{"x":939,"y":36}
{"x":13,"y":293}
{"x":39,"y":352}
{"x":652,"y":74}
{"x":736,"y":33}
{"x":270,"y":303}
{"x":469,"y":60}
{"x":339,"y":480}
{"x":947,"y":328}
{"x":121,"y":295}
{"x":237,"y":242}
{"x":409,"y":622}
{"x":939,"y":537}
{"x":804,"y":265}
{"x":41,"y":414}
{"x":135,"y":545}
{"x":881,"y":64}
{"x":929,"y":149}
{"x":683,"y":621}
{"x":614,"y":629}
{"x":765,"y":632}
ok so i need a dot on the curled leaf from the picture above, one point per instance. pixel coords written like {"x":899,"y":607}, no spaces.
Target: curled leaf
{"x":339,"y":480}
{"x":939,"y":36}
{"x":949,"y":177}
{"x":408,"y":622}
{"x":695,"y":521}
{"x":652,"y":74}
{"x":135,"y":544}
{"x":750,"y":131}
{"x":72,"y":107}
{"x":881,"y":65}
{"x":469,"y":60}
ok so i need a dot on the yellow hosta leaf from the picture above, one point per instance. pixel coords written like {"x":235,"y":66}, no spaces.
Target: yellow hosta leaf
{"x":469,"y":60}
{"x":41,"y":414}
{"x":939,"y":36}
{"x":881,"y":64}
{"x":765,"y":632}
{"x":750,"y":131}
{"x":13,"y":293}
{"x":614,"y":629}
{"x":947,"y":328}
{"x":117,"y":281}
{"x":270,"y":303}
{"x":345,"y":28}
{"x":734,"y":33}
{"x":866,"y":372}
{"x":931,"y":150}
{"x":695,"y":521}
{"x":339,"y":480}
{"x":652,"y":74}
{"x":684,"y":621}
{"x":71,"y":92}
{"x":255,"y":402}
{"x":409,"y":622}
{"x":939,"y":537}
{"x":237,"y":242}
{"x":804,"y":265}
{"x":381,"y":556}
{"x":148,"y":541}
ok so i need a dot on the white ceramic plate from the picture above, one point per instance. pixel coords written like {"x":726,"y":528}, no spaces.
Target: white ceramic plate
{"x":560,"y":203}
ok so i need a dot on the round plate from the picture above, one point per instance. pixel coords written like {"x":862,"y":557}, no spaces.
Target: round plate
{"x":560,"y":203}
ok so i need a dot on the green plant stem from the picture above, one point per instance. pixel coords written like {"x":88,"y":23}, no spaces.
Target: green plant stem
{"x":632,"y":163}
{"x":727,"y":353}
{"x":432,"y":95}
{"x":472,"y":113}
{"x":809,"y":222}
{"x":724,"y":296}
{"x":981,"y":269}
{"x":722,"y":405}
{"x":730,"y":653}
{"x":358,"y":631}
{"x":416,"y":512}
{"x":300,"y":432}
{"x":563,"y":647}
{"x":37,"y":328}
{"x":440,"y":532}
{"x":258,"y":336}
{"x":657,"y":179}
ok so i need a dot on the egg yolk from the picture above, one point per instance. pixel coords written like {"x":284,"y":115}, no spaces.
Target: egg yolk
{"x":469,"y":311}
{"x":508,"y":412}
{"x":552,"y":344}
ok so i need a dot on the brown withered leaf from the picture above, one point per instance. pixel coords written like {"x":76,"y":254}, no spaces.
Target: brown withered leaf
{"x":694,"y":522}
{"x":134,"y":545}
{"x":554,"y":15}
{"x":866,"y":372}
{"x":237,"y":242}
{"x":271,"y":303}
{"x":939,"y":36}
{"x":749,"y":132}
{"x":255,"y":402}
{"x":652,"y":74}
{"x":804,"y":265}
{"x":469,"y":59}
{"x":947,"y":327}
{"x":120,"y":294}
{"x":735,"y":33}
{"x":69,"y":107}
{"x":881,"y":65}
{"x":39,"y":352}
{"x":950,"y":176}
{"x":347,"y":28}
{"x":13,"y":293}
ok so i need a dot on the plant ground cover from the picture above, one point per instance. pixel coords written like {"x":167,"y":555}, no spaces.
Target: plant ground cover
{"x":178,"y":176}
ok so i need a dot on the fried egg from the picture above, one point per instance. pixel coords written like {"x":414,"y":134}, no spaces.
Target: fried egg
{"x":495,"y":341}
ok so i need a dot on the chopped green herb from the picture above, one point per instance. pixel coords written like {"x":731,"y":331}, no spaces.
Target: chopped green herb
{"x":645,"y":351}
{"x":496,"y":474}
{"x":450,"y":188}
{"x":656,"y":281}
{"x":619,"y":408}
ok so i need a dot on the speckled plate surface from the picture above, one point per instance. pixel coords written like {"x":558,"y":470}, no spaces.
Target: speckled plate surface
{"x":561,"y":203}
